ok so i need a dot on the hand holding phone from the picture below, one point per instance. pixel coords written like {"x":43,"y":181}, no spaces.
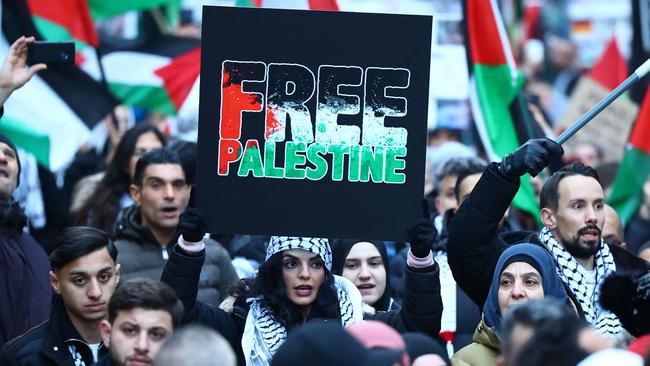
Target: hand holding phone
{"x":13,"y":73}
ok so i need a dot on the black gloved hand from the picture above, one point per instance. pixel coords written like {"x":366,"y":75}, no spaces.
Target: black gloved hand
{"x":192,"y":224}
{"x":422,"y":234}
{"x":531,"y":157}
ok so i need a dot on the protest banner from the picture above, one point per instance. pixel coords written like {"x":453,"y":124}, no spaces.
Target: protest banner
{"x":610,"y":129}
{"x":312,"y":123}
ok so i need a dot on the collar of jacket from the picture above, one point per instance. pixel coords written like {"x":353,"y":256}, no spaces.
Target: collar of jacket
{"x":61,"y":333}
{"x":13,"y":216}
{"x":486,"y":336}
{"x":130,"y":227}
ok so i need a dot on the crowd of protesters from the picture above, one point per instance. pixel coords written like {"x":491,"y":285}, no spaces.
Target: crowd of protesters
{"x":127,"y":273}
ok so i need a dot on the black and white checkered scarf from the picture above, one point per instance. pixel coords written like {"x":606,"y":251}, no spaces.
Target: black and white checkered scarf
{"x":263,"y":333}
{"x":573,"y":275}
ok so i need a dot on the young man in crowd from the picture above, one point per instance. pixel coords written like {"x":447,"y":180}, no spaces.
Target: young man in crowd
{"x":84,"y":276}
{"x":146,"y":230}
{"x":142,"y":314}
{"x":572,"y":202}
{"x":24,"y":271}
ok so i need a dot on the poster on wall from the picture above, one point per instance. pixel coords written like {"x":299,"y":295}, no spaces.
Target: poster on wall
{"x":312,"y":123}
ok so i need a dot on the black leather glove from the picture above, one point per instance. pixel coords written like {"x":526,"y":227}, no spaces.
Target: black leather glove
{"x":192,"y":224}
{"x":422,"y":234}
{"x":531,"y":157}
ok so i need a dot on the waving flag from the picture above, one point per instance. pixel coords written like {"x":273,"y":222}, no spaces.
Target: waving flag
{"x":495,"y":83}
{"x":51,"y":115}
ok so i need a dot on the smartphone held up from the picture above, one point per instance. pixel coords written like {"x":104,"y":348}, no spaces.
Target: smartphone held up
{"x":62,"y":53}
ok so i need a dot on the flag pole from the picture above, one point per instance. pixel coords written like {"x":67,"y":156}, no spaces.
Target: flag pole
{"x":102,"y":80}
{"x":638,"y":74}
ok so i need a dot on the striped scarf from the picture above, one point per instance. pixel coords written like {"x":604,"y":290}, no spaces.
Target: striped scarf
{"x":574,"y":276}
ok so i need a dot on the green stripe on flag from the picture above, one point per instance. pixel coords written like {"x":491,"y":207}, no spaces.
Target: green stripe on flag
{"x":495,"y":93}
{"x":54,"y":32}
{"x":627,"y":189}
{"x":106,"y":9}
{"x":29,"y":140}
{"x":154,"y":98}
{"x":246,"y":3}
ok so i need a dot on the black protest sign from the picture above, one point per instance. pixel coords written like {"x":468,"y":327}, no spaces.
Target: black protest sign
{"x":312,"y":123}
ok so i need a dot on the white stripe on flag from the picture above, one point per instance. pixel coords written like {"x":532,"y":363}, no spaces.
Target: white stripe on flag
{"x":128,"y":67}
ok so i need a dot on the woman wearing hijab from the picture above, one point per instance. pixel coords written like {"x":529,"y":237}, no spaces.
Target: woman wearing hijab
{"x":523,"y":272}
{"x":365,"y":263}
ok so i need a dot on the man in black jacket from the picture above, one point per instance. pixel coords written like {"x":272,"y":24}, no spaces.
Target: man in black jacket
{"x":84,"y":276}
{"x":572,"y":202}
{"x":23,"y":273}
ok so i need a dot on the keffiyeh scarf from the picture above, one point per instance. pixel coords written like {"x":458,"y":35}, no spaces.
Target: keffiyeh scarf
{"x":263,"y":333}
{"x":574,"y":276}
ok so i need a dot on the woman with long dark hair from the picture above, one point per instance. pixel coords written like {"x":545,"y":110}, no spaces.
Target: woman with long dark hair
{"x":100,"y":208}
{"x":294,"y":285}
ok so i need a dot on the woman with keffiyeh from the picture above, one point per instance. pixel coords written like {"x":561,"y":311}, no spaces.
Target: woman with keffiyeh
{"x":294,"y":285}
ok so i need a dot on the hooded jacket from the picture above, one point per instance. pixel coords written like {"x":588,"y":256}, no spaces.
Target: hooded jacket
{"x":24,"y":278}
{"x":140,"y":255}
{"x":55,"y":342}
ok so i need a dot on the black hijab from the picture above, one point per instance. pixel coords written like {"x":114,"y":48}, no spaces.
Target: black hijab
{"x":340,"y":250}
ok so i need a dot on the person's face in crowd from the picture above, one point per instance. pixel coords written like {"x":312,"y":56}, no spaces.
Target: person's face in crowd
{"x":136,"y":335}
{"x":612,"y":228}
{"x":303,"y":273}
{"x":587,"y":154}
{"x":645,"y":254}
{"x":86,"y":284}
{"x":519,"y":282}
{"x":429,"y":360}
{"x":146,"y":142}
{"x":8,"y":172}
{"x":578,"y":221}
{"x":364,"y":266}
{"x":163,"y":196}
{"x":467,"y":186}
{"x":446,"y":199}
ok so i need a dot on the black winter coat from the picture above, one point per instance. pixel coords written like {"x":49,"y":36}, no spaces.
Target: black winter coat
{"x":48,"y":344}
{"x":25,"y":290}
{"x":474,"y":243}
{"x":420,"y":312}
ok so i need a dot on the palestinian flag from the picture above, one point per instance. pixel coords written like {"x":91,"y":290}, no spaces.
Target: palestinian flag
{"x":51,"y":116}
{"x":627,"y":190}
{"x":495,"y":82}
{"x":610,"y":69}
{"x":157,"y":75}
{"x":109,"y":8}
{"x":64,"y":20}
{"x":296,"y":4}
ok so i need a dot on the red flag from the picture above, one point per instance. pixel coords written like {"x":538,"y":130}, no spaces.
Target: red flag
{"x":611,"y":69}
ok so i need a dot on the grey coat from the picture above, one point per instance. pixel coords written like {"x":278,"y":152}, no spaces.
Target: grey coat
{"x":140,"y":255}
